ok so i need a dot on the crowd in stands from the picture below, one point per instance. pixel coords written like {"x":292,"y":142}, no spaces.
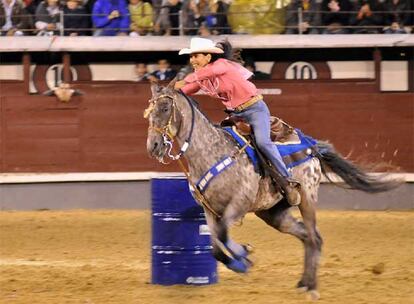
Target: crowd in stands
{"x":196,"y":17}
{"x":369,"y":16}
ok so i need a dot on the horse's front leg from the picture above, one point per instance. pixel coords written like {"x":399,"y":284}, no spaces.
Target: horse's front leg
{"x":225,"y":250}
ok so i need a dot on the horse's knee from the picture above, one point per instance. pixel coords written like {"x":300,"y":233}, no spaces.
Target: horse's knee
{"x":283,"y":226}
{"x":291,"y":225}
{"x":315,"y":241}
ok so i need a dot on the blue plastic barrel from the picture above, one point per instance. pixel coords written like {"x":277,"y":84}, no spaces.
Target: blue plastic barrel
{"x":181,"y":247}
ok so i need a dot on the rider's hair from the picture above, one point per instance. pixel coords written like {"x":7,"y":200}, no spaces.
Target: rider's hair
{"x":229,"y":52}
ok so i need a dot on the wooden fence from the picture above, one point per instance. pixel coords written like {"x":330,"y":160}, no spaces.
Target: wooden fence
{"x":104,"y":131}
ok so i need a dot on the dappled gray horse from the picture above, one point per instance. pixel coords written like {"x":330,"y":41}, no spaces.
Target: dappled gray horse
{"x":238,"y":189}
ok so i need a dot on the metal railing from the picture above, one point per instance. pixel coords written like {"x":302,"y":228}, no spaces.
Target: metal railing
{"x":183,"y":27}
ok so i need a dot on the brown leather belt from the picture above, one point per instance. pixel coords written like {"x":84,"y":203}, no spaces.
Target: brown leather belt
{"x":248,"y":103}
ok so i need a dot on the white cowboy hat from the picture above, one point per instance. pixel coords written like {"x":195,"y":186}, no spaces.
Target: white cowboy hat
{"x":201,"y":45}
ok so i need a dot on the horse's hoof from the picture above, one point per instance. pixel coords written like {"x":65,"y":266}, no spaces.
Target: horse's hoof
{"x":241,"y":265}
{"x":301,"y":286}
{"x":313,"y":295}
{"x":238,"y":251}
{"x":302,"y":289}
{"x":248,"y":262}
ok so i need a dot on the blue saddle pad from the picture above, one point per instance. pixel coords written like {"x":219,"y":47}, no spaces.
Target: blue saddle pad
{"x":284,"y":150}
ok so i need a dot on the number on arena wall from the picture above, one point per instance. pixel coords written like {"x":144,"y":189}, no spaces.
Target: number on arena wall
{"x":301,"y":70}
{"x":47,"y":77}
{"x":54,"y":75}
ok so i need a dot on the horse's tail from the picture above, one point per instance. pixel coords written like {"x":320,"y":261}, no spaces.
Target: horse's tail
{"x":353,"y":176}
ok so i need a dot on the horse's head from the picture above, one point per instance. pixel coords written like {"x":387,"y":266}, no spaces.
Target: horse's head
{"x":164,"y":120}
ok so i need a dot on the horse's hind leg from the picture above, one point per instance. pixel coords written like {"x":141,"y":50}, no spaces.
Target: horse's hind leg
{"x":313,"y":245}
{"x":280,"y":218}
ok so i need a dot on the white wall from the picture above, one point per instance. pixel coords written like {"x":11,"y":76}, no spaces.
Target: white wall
{"x":394,"y":75}
{"x":11,"y":71}
{"x":352,"y":69}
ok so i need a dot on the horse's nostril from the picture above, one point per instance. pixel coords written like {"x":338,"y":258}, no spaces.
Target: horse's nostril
{"x":154,"y":147}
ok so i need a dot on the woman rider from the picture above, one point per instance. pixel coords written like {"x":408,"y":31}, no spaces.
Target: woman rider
{"x":217,"y":73}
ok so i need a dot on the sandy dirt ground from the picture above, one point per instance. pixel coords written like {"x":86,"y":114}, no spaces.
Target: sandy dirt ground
{"x":104,"y":257}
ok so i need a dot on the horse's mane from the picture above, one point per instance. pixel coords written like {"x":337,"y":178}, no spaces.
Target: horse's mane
{"x":196,"y":104}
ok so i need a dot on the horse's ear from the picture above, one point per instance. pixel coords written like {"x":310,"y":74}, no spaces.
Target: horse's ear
{"x":172,"y":83}
{"x":155,"y":88}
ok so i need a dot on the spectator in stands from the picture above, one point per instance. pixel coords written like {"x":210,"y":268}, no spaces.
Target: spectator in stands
{"x":217,"y":21}
{"x":168,"y":21}
{"x":75,"y":18}
{"x":47,"y":18}
{"x":367,"y":20}
{"x":14,"y":19}
{"x":141,"y":72}
{"x":164,"y":71}
{"x":191,"y":17}
{"x":398,"y":16}
{"x":156,"y":8}
{"x":205,"y":18}
{"x":111,"y":18}
{"x":30,"y":6}
{"x":334,"y":16}
{"x":204,"y":31}
{"x":310,"y":17}
{"x":257,"y":75}
{"x":141,"y":18}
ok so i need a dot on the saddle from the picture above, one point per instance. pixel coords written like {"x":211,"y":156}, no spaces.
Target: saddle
{"x":280,"y":132}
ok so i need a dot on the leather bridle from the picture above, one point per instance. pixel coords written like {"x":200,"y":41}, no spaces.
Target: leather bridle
{"x":167,"y":132}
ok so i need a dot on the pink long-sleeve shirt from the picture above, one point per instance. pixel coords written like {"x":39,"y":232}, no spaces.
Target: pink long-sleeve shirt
{"x":222,"y":79}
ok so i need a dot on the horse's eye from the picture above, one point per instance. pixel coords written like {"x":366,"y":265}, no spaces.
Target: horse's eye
{"x":165,"y":109}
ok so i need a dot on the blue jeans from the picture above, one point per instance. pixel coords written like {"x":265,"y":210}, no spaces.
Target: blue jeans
{"x":258,"y":116}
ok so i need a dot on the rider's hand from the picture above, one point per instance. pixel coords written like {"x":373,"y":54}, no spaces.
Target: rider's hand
{"x":114,"y":14}
{"x":179,"y":84}
{"x":334,"y":6}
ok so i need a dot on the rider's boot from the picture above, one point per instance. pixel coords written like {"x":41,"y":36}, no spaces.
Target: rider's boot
{"x":293,"y":192}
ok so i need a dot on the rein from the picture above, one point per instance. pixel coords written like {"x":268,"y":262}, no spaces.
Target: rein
{"x":188,"y":140}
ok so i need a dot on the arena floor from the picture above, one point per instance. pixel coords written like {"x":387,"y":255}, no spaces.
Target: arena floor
{"x":104,"y":257}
